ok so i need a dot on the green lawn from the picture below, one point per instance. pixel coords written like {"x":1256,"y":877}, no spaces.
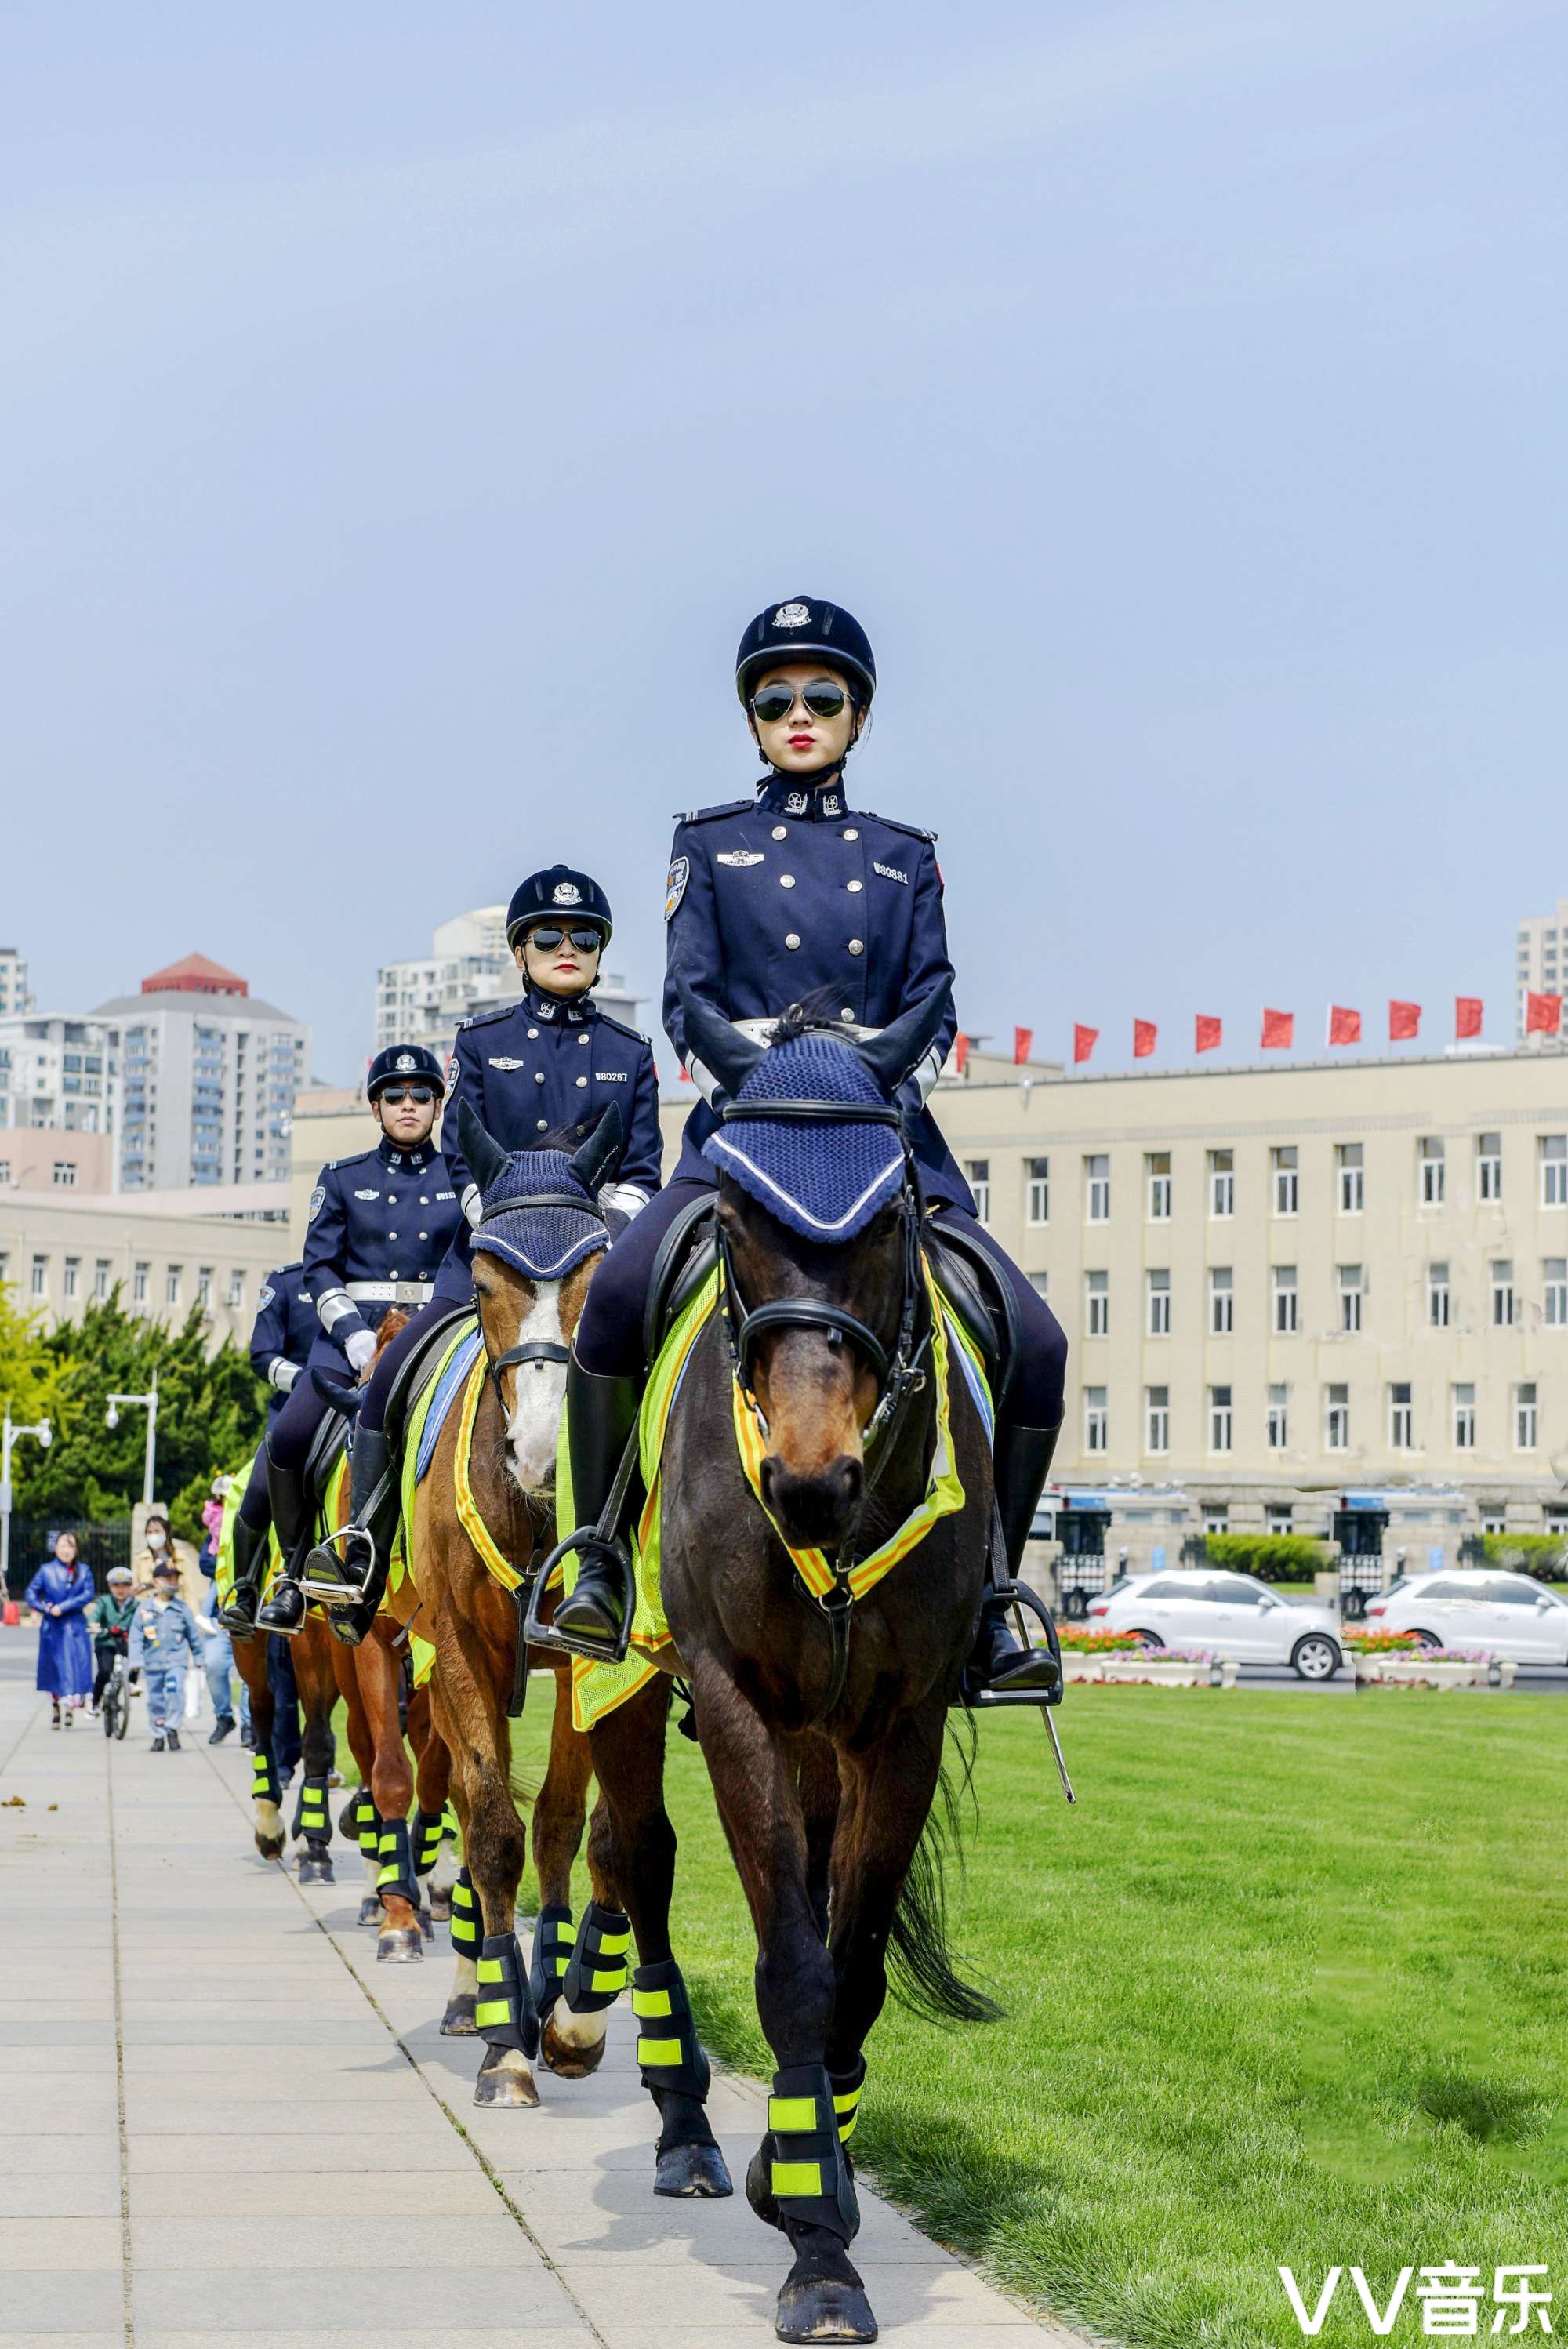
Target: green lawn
{"x":1287,"y":1986}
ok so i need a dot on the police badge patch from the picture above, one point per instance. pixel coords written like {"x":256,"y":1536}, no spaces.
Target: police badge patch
{"x":451,"y":1070}
{"x":317,"y":1201}
{"x":675,"y":887}
{"x":266,"y":1296}
{"x":567,"y":893}
{"x":792,"y":615}
{"x":405,"y":1063}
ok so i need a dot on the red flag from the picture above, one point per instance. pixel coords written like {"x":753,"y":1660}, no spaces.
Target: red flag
{"x":1208,"y":1032}
{"x":960,"y":1051}
{"x":1023,"y":1039}
{"x":1466,"y":1015}
{"x":1542,"y":1013}
{"x":1404,"y":1021}
{"x":1279,"y":1031}
{"x":1344,"y":1026}
{"x":1084,"y":1040}
{"x":1144,"y":1033}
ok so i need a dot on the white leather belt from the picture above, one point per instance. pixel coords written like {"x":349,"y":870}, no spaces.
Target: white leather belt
{"x":756,"y":1031}
{"x":390,"y":1292}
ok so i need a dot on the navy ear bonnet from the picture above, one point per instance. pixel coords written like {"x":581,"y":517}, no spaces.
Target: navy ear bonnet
{"x":542,"y":1241}
{"x":825,"y":1178}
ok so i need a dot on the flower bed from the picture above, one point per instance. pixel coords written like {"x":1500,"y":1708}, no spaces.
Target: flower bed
{"x":1156,"y":1667}
{"x":1076,"y":1641}
{"x":1378,"y":1643}
{"x":1434,"y":1668}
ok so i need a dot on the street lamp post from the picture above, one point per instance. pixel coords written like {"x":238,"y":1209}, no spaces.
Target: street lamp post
{"x":9,"y":1434}
{"x":111,"y":1419}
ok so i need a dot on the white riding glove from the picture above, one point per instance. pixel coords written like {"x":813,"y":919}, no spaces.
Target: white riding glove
{"x":360,"y":1348}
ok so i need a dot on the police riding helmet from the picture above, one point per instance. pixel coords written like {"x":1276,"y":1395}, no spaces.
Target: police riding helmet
{"x":405,"y":1064}
{"x":558,"y":895}
{"x":806,"y":628}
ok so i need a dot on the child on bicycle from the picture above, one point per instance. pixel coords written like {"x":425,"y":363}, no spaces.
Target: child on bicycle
{"x":110,"y":1615}
{"x":163,"y":1640}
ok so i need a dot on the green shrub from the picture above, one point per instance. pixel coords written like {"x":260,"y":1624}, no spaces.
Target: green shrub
{"x":1273,"y":1557}
{"x":1544,"y":1555}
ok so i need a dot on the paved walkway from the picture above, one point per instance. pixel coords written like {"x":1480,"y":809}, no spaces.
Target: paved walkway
{"x":220,"y":2118}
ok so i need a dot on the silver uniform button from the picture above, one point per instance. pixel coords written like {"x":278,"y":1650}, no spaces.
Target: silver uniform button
{"x":851,"y":833}
{"x":855,"y":888}
{"x":780,"y":832}
{"x":424,"y":1236}
{"x":793,"y":940}
{"x":423,"y":1201}
{"x":585,"y":1038}
{"x":531,"y":1034}
{"x":581,"y":1080}
{"x":846,"y":1013}
{"x":543,"y":1124}
{"x":538,"y":1076}
{"x":393,"y":1274}
{"x":391,"y":1236}
{"x":785,"y":880}
{"x":857,"y":945}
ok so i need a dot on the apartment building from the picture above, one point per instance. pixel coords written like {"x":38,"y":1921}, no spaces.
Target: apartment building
{"x":15,"y":995}
{"x":1541,"y":965}
{"x":208,"y":1075}
{"x":469,"y":968}
{"x":57,"y":1075}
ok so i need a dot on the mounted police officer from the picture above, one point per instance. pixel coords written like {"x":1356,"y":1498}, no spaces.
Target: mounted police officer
{"x":380,"y":1226}
{"x":789,"y":895}
{"x":284,"y":1332}
{"x":548,"y":1065}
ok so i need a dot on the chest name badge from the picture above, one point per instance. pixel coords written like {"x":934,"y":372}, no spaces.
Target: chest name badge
{"x":890,"y":872}
{"x":504,"y":1061}
{"x":739,"y":857}
{"x":610,"y":1077}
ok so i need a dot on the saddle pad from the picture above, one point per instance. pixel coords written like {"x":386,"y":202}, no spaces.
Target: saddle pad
{"x":454,"y":1369}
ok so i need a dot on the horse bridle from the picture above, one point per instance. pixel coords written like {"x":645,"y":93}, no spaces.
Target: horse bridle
{"x":537,"y":1349}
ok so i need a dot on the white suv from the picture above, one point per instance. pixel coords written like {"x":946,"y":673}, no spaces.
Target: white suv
{"x":1233,"y":1614}
{"x":1475,"y":1607}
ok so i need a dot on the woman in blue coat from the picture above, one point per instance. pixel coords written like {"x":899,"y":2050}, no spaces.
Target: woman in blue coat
{"x":62,"y":1591}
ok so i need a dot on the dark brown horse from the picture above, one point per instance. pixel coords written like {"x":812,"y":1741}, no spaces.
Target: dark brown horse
{"x":822,"y":1719}
{"x":311,"y":1655}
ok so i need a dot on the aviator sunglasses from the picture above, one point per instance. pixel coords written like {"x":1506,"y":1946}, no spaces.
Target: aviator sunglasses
{"x":823,"y":698}
{"x":396,"y":1093}
{"x":547,"y":936}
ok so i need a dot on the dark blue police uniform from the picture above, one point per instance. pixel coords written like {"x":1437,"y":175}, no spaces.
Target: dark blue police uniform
{"x":286,"y":1330}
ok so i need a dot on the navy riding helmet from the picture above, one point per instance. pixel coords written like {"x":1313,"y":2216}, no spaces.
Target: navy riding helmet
{"x":806,"y":628}
{"x":405,"y":1063}
{"x":558,"y":893}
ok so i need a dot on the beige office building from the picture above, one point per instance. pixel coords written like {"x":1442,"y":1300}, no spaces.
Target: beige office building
{"x":60,"y":1252}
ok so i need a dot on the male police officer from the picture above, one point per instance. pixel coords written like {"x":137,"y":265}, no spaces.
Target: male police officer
{"x":286,"y":1330}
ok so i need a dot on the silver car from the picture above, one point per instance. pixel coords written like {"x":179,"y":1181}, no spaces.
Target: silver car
{"x":1476,"y":1607}
{"x":1233,"y":1614}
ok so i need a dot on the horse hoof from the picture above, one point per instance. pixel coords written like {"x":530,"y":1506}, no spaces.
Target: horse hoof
{"x":370,"y":1910}
{"x":441,"y":1908}
{"x":759,"y":2187}
{"x":458,"y":2022}
{"x":822,"y":2309}
{"x":270,"y":1847}
{"x":400,"y":1946}
{"x":314,"y":1868}
{"x":568,"y":2059}
{"x":694,"y":2172}
{"x":503,"y":2089}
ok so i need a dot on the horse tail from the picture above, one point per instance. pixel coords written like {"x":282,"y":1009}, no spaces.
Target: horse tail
{"x":920,"y":1964}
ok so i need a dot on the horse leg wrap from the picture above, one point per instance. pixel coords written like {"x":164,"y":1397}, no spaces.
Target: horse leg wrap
{"x":596,"y":1974}
{"x":552,"y":1943}
{"x":848,"y":2087}
{"x":809,"y":2170}
{"x":264,"y":1786}
{"x":668,"y":2049}
{"x":312,"y":1818}
{"x":426,"y":1838}
{"x":466,"y":1935}
{"x":369,"y":1829}
{"x":505,"y":2015}
{"x":394,"y":1873}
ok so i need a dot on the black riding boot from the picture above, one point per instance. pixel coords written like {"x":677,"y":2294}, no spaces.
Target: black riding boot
{"x":1022,"y":1465}
{"x":284,"y":1610}
{"x":239,"y":1616}
{"x":356,"y":1558}
{"x":600,"y":1416}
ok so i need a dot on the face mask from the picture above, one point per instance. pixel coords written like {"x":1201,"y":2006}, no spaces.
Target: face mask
{"x":156,"y":1537}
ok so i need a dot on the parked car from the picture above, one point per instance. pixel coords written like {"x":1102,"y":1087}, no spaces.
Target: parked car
{"x":1233,"y":1614}
{"x":1477,"y":1607}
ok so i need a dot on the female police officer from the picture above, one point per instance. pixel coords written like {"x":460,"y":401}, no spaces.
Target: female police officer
{"x":787,"y":896}
{"x":544,"y":1066}
{"x":380,"y":1226}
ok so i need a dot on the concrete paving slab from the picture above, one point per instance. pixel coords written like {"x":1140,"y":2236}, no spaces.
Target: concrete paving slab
{"x":416,"y":2245}
{"x":219,"y":2301}
{"x":53,"y":2194}
{"x":308,"y":2193}
{"x":50,"y":2301}
{"x":61,"y":2242}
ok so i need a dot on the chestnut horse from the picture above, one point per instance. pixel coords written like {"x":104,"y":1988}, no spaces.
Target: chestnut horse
{"x":316,"y":1678}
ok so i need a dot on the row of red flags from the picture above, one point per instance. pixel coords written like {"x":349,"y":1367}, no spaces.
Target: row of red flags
{"x":1542,"y":1017}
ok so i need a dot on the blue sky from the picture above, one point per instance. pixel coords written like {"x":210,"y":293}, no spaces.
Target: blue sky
{"x":403,"y":411}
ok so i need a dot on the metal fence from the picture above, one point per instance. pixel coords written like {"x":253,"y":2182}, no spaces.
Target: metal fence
{"x":33,"y":1540}
{"x":1078,"y":1577}
{"x":1361,"y":1572}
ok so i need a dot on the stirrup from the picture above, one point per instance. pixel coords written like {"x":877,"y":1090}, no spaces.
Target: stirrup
{"x":333,"y":1581}
{"x":282,"y":1630}
{"x":586,"y":1543}
{"x":1025,"y":1601}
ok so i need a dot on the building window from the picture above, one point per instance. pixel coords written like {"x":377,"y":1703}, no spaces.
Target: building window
{"x":1337,"y":1419}
{"x":72,"y":1284}
{"x":1160,"y":1304}
{"x":1555,"y":1282}
{"x":1285,"y":1302}
{"x":204,"y":1287}
{"x":1156,"y":1419}
{"x":1503,"y":1293}
{"x":1279,"y":1518}
{"x":139,"y":1280}
{"x":1157,"y":1166}
{"x":977,"y":1172}
{"x":1286,"y":1181}
{"x":1095,"y":1419}
{"x":1039,"y":1209}
{"x":1096,"y":1304}
{"x":1221,"y":1301}
{"x":1216,"y":1517}
{"x":1349,"y":1157}
{"x":66,"y":1174}
{"x":171,"y":1279}
{"x":1097,"y":1179}
{"x":1219,"y":1419}
{"x":100,"y":1278}
{"x":1436,"y":1297}
{"x":1464,"y":1418}
{"x":1433,"y":1171}
{"x":236,"y":1296}
{"x":1221,"y":1182}
{"x":1554,"y":1170}
{"x":1524,"y":1428}
{"x":1278,"y":1418}
{"x":1493,"y":1521}
{"x":40,"y":1280}
{"x":1488,"y":1166}
{"x":1401,"y":1416}
{"x":1350,"y":1295}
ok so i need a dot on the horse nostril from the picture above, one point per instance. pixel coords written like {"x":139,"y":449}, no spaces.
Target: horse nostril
{"x":850,"y":1475}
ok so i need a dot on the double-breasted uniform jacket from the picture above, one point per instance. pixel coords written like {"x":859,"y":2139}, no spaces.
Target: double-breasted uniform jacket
{"x":792,"y":895}
{"x":284,"y":1332}
{"x":380,"y":1224}
{"x":540,"y":1067}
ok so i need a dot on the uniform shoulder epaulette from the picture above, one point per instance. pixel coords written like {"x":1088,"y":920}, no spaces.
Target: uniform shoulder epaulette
{"x":354,"y":1158}
{"x":488,"y":1018}
{"x":915,"y":830}
{"x":707,"y":815}
{"x":623,"y":1027}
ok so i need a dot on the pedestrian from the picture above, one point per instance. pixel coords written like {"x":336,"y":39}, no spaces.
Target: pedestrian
{"x":160,"y":1545}
{"x":62,"y":1591}
{"x":110,"y":1615}
{"x":163,"y":1640}
{"x":218,"y":1662}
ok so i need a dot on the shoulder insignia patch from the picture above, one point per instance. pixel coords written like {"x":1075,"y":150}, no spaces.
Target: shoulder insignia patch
{"x":266,"y":1296}
{"x":317,"y":1201}
{"x":451,"y":1070}
{"x":739,"y":857}
{"x":675,"y":887}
